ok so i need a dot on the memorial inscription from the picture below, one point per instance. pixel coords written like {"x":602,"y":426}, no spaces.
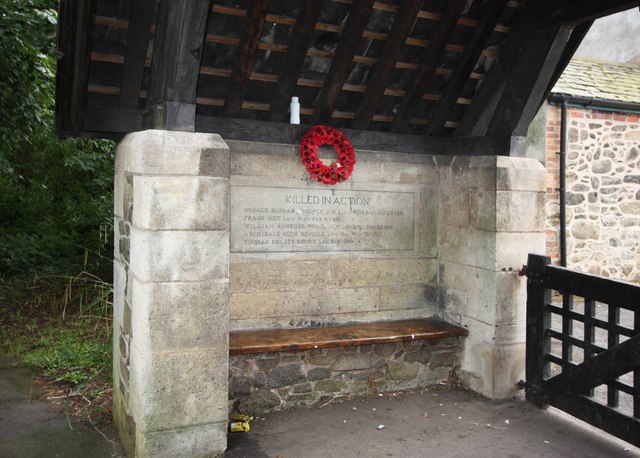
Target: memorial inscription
{"x":273,"y":219}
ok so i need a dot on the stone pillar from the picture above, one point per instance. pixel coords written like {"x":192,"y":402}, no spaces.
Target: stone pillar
{"x":492,"y":216}
{"x":171,"y":284}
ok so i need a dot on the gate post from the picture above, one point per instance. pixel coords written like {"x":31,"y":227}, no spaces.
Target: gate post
{"x":171,"y":301}
{"x":538,"y":321}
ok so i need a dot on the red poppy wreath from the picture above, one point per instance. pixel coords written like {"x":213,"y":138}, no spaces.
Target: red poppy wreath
{"x":339,"y":170}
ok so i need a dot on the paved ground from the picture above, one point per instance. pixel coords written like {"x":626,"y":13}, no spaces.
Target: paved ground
{"x":435,"y":422}
{"x":33,"y":428}
{"x":438,"y":423}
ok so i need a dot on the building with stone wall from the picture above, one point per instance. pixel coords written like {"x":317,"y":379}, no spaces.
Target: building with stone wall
{"x":602,"y":169}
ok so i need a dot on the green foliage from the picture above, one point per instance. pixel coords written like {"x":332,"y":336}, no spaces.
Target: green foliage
{"x":65,"y":355}
{"x":55,"y":196}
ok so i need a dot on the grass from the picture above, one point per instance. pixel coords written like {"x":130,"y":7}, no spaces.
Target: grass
{"x":61,"y":326}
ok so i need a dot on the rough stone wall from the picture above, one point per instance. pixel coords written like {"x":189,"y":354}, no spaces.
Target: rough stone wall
{"x":274,"y":381}
{"x":602,"y":192}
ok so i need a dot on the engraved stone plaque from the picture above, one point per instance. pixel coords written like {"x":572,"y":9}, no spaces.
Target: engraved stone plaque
{"x":273,"y":219}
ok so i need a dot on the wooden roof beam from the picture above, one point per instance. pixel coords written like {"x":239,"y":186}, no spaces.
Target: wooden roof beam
{"x":524,"y":89}
{"x":292,"y":66}
{"x":249,"y":46}
{"x":477,"y":117}
{"x":428,"y":65}
{"x":347,"y":47}
{"x":138,"y":34}
{"x":472,"y":51}
{"x":400,"y":30}
{"x":177,"y":50}
{"x":577,"y":35}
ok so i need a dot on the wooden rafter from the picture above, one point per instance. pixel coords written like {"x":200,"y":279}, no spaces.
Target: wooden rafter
{"x":421,"y":77}
{"x":477,"y":42}
{"x":176,"y":52}
{"x":327,"y":100}
{"x":477,"y":117}
{"x":138,"y":34}
{"x":524,"y":90}
{"x":249,"y":46}
{"x":402,"y":26}
{"x":577,"y":35}
{"x":292,"y":67}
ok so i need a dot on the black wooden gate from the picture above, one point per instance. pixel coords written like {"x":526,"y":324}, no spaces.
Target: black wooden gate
{"x":583,"y":347}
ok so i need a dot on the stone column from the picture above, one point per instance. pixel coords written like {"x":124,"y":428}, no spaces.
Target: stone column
{"x":492,"y":216}
{"x":171,"y":285}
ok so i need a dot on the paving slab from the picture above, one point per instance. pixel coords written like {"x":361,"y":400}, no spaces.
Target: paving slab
{"x":32,"y":428}
{"x":436,"y":422}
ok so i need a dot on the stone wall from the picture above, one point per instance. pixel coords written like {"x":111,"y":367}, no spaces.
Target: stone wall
{"x":492,"y":216}
{"x":294,"y":289}
{"x":273,"y":381}
{"x":185,"y":273}
{"x":170,"y":368}
{"x":602,"y":192}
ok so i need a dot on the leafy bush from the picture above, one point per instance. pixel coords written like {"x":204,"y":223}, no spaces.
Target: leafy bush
{"x":55,"y":195}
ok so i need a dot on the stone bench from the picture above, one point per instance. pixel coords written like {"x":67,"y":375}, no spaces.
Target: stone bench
{"x":272,"y":369}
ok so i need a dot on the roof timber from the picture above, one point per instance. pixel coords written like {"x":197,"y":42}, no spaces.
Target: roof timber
{"x":327,"y":99}
{"x":302,"y":35}
{"x":375,"y":66}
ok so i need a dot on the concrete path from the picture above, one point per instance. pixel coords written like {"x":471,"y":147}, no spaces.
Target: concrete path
{"x":32,"y":428}
{"x":433,"y":423}
{"x":427,"y":423}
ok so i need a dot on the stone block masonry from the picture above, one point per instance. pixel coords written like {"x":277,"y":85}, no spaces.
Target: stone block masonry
{"x":602,"y":192}
{"x":171,"y":294}
{"x":273,"y":381}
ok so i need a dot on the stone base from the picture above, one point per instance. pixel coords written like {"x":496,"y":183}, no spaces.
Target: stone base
{"x":274,"y":381}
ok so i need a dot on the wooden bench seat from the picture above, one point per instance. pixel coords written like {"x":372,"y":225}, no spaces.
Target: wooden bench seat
{"x":295,"y":339}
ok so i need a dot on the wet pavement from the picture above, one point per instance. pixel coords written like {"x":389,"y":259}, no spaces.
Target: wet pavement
{"x":434,"y":422}
{"x":31,"y":427}
{"x":428,"y":423}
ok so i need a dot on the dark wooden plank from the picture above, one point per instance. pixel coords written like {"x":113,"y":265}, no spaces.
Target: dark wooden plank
{"x":600,"y":369}
{"x":429,"y":63}
{"x":377,"y":83}
{"x":597,"y":288}
{"x":525,"y":89}
{"x":567,"y":330}
{"x":589,"y":333}
{"x":538,"y":321}
{"x":613,"y":339}
{"x":113,"y":121}
{"x":577,"y":35}
{"x":347,"y":47}
{"x":636,"y":373}
{"x":473,"y":49}
{"x":274,"y":132}
{"x":138,"y":34}
{"x":277,"y":340}
{"x":64,"y":67}
{"x":477,"y":117}
{"x":612,"y":421}
{"x":74,"y":65}
{"x":581,"y":11}
{"x":177,"y":49}
{"x":248,"y":47}
{"x":292,"y":66}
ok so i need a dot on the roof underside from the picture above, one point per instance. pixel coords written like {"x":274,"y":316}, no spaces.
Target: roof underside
{"x":412,"y":69}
